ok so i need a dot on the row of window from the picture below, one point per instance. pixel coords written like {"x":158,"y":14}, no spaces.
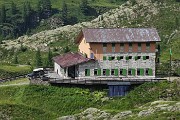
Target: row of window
{"x":122,"y":72}
{"x":122,"y":47}
{"x":122,"y":57}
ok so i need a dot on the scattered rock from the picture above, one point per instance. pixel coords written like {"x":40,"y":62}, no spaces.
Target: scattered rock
{"x":67,"y":118}
{"x":122,"y":115}
{"x":145,"y":112}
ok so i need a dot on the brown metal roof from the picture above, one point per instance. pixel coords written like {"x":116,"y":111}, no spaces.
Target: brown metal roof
{"x":70,"y":59}
{"x":109,"y":35}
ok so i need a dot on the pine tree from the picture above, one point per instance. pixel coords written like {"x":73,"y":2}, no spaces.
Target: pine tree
{"x":46,"y":8}
{"x":15,"y":61}
{"x":38,"y":59}
{"x":13,"y":8}
{"x":177,"y":23}
{"x":49,"y":59}
{"x":64,"y":12}
{"x":3,"y":14}
{"x":24,"y":15}
{"x":39,"y":9}
{"x":84,"y":7}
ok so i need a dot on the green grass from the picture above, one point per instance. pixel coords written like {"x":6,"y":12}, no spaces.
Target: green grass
{"x":143,"y":94}
{"x":18,"y":81}
{"x":52,"y":102}
{"x":10,"y":70}
{"x":58,"y":3}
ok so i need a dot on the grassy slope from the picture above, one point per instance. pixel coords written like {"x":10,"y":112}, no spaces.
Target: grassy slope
{"x":58,"y":3}
{"x":9,"y":70}
{"x":52,"y":102}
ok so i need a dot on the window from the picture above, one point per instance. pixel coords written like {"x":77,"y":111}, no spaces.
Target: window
{"x":145,"y":57}
{"x":113,"y":58}
{"x":104,"y":47}
{"x":130,"y":47}
{"x":87,"y":72}
{"x":137,"y":57}
{"x":121,"y":47}
{"x":104,"y":72}
{"x":127,"y":57}
{"x":131,"y":71}
{"x":146,"y":73}
{"x":104,"y":44}
{"x":107,"y":72}
{"x":120,"y":57}
{"x":112,"y":72}
{"x":99,"y":72}
{"x":95,"y":72}
{"x":104,"y":57}
{"x":110,"y":58}
{"x":130,"y":57}
{"x":147,"y":47}
{"x":113,"y":47}
{"x":92,"y":56}
{"x":149,"y":72}
{"x":124,"y":72}
{"x":139,"y":47}
{"x":121,"y":72}
{"x":138,"y":72}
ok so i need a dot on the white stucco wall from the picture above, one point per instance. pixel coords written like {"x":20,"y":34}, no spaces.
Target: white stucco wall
{"x":58,"y":69}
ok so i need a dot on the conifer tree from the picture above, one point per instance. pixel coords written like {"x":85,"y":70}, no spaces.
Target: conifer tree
{"x":84,"y":7}
{"x":49,"y":59}
{"x":38,"y":59}
{"x":15,"y":61}
{"x":64,"y":12}
{"x":3,"y":14}
{"x":13,"y":8}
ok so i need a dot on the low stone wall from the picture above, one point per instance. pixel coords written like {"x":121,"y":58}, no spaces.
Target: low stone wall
{"x":38,"y":81}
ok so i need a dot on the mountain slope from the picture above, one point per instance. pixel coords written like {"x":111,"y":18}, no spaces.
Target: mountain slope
{"x":164,"y":16}
{"x":50,"y":102}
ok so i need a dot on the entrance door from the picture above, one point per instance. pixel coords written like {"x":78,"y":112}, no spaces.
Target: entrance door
{"x":71,"y":72}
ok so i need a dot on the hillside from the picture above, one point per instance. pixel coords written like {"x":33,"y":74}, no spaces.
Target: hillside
{"x":22,"y":17}
{"x":164,"y":16}
{"x":48,"y":102}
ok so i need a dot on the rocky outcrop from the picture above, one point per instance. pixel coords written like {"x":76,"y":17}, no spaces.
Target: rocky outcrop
{"x":125,"y":12}
{"x":146,"y":110}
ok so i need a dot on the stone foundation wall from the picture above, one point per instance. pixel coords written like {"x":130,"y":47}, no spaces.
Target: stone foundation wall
{"x":120,"y":64}
{"x":38,"y":81}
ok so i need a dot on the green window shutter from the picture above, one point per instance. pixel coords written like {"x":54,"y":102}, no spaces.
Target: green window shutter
{"x":127,"y":57}
{"x":136,"y":57}
{"x":110,"y":58}
{"x":104,"y":57}
{"x":88,"y":72}
{"x":124,"y":72}
{"x":118,"y":58}
{"x":133,"y":72}
{"x":99,"y":72}
{"x":116,"y":72}
{"x":150,"y":72}
{"x":142,"y":72}
{"x":107,"y":72}
{"x":144,"y":57}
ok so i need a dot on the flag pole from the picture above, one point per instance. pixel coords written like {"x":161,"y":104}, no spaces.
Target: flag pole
{"x":170,"y":63}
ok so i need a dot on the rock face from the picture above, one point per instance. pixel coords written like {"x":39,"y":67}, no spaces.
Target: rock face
{"x":88,"y":114}
{"x":109,"y":19}
{"x":152,"y":108}
{"x":122,"y":115}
